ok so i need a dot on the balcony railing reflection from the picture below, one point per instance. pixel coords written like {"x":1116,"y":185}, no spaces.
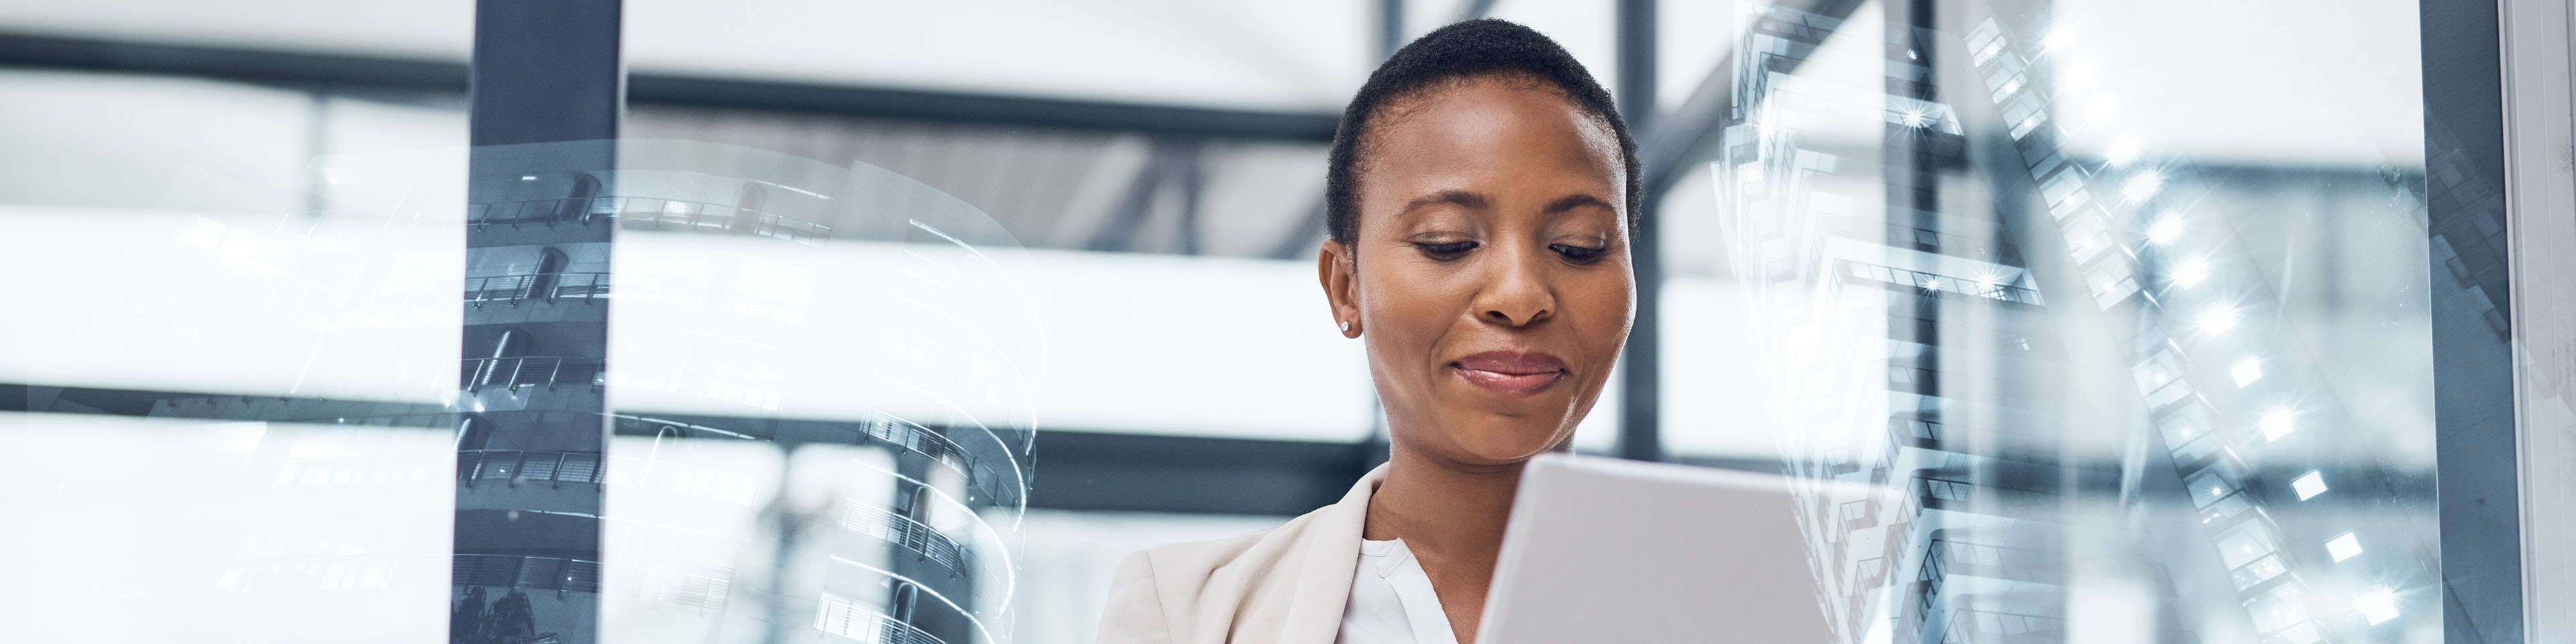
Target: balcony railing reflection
{"x":840,"y":617}
{"x":1968,"y":626}
{"x":1947,"y":556}
{"x":550,"y":371}
{"x":564,"y":575}
{"x":1931,"y":283}
{"x":542,"y":286}
{"x":1948,"y":494}
{"x":904,"y":531}
{"x":668,"y":213}
{"x":552,"y":468}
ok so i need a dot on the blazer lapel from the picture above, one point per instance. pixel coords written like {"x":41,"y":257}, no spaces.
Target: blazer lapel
{"x":1328,"y":554}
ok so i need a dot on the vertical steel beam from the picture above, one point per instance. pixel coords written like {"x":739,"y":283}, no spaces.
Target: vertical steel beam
{"x":2473,"y":400}
{"x":547,"y":90}
{"x":1640,"y":417}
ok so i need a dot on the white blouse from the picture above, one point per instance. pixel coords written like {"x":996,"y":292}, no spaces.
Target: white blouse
{"x":1391,"y":600}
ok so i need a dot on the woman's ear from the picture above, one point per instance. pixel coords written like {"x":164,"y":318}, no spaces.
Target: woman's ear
{"x":1333,"y":267}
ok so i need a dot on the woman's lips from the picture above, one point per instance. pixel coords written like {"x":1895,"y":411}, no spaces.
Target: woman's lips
{"x":1510,"y":372}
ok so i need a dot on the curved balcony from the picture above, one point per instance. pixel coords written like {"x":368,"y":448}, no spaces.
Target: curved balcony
{"x":840,"y":617}
{"x":903,"y":531}
{"x":529,"y":371}
{"x":668,"y":214}
{"x":513,"y":289}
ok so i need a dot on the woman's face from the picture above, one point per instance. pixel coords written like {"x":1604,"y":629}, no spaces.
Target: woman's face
{"x":1490,"y":275}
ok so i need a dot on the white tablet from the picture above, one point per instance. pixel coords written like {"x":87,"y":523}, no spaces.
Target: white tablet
{"x":1609,"y":550}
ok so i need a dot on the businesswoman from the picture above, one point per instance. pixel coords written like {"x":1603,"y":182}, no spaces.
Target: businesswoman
{"x":1481,"y":192}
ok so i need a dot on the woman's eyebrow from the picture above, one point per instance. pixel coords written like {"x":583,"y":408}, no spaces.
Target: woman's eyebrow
{"x":1570,"y":202}
{"x":1462,"y":198}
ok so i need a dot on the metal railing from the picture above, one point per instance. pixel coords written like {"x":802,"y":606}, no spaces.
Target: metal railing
{"x":559,"y":574}
{"x":1938,"y":283}
{"x":922,"y":440}
{"x":691,"y":215}
{"x":843,"y":618}
{"x":523,"y":371}
{"x":1936,"y":491}
{"x":1945,"y":553}
{"x":515,"y":466}
{"x":903,"y":531}
{"x":1963,"y":622}
{"x":541,"y":286}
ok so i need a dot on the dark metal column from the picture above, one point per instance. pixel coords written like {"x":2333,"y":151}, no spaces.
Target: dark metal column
{"x":547,"y":91}
{"x":1640,"y":417}
{"x":2473,"y":398}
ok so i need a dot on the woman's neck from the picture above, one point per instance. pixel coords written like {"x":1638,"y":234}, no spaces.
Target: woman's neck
{"x":1451,"y":517}
{"x":1450,"y":507}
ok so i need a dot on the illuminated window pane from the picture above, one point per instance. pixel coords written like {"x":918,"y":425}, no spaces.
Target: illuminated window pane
{"x":2255,"y":573}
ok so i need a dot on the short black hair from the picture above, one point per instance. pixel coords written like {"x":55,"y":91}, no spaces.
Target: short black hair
{"x":1460,"y":52}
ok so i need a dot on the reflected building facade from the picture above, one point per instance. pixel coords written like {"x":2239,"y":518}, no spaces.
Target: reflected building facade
{"x":2035,"y":396}
{"x":696,"y":492}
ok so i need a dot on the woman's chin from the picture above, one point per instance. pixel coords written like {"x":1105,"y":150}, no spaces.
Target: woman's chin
{"x":1506,"y":445}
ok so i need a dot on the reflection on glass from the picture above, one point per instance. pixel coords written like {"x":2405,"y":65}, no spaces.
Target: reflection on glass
{"x":702,"y":392}
{"x":817,"y":383}
{"x":2136,"y":383}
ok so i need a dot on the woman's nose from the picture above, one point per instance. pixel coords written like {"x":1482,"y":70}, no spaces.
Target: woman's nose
{"x":1516,"y":294}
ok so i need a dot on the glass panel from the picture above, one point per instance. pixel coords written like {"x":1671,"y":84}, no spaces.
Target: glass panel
{"x":2196,"y":275}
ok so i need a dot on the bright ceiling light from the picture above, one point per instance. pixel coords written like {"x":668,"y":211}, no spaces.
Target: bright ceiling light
{"x":2190,"y":272}
{"x":2165,"y":230}
{"x":2276,"y":424}
{"x":2344,"y":546}
{"x":2378,"y":605}
{"x":2218,"y":320}
{"x":2143,"y":185}
{"x":2309,"y":485}
{"x":2247,"y":371}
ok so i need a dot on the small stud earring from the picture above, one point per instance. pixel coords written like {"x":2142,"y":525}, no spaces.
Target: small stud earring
{"x":1346,"y":326}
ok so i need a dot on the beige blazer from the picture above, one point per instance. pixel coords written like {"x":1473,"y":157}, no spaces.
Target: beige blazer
{"x":1285,"y":585}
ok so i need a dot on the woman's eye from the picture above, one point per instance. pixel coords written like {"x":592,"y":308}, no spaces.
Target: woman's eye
{"x":1578,"y":254}
{"x":1446,"y":250}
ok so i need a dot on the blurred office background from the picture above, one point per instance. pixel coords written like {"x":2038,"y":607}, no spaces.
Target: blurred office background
{"x":2132,"y":303}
